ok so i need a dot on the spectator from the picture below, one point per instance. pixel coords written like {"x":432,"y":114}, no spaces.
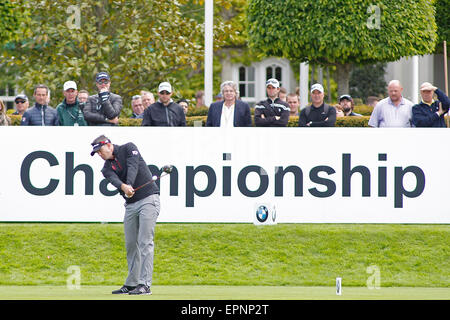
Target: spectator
{"x":184,"y":104}
{"x":230,"y":112}
{"x":393,"y":111}
{"x":218,"y":97}
{"x":372,"y":101}
{"x":200,"y":99}
{"x":347,"y":106}
{"x":272,"y":112}
{"x":430,"y":112}
{"x":294,"y":103}
{"x":147,"y":98}
{"x":4,"y":119}
{"x":83,"y":96}
{"x":22,"y":104}
{"x":283,"y":94}
{"x":164,"y":112}
{"x":103,"y":109}
{"x":40,"y":114}
{"x":137,"y":106}
{"x":318,"y":114}
{"x":69,"y":112}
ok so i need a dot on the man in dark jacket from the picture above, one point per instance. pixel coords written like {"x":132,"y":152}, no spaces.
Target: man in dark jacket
{"x":103,"y":109}
{"x":430,"y":112}
{"x":272,"y":112}
{"x":164,"y":112}
{"x":125,"y":169}
{"x":318,"y":114}
{"x":40,"y":114}
{"x":230,"y":112}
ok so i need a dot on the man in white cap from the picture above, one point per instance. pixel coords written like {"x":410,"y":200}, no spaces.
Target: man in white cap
{"x":395,"y":111}
{"x":164,"y":112}
{"x":272,"y":112}
{"x":430,"y":112}
{"x":69,"y":112}
{"x":22,"y":104}
{"x":318,"y":114}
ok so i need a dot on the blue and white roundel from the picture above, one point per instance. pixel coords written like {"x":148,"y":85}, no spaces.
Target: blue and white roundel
{"x":262,"y":213}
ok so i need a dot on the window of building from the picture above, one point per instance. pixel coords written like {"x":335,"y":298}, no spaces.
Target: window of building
{"x":247,"y":82}
{"x":275,"y":71}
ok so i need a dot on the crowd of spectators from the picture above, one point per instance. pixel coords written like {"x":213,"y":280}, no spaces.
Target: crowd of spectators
{"x":103,"y":108}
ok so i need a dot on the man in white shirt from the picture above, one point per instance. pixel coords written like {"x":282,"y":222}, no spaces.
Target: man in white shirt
{"x":230,"y":112}
{"x":394,"y":111}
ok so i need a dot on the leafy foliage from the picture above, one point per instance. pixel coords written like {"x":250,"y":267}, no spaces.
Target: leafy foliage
{"x":140,"y":43}
{"x":330,"y":32}
{"x":10,"y":19}
{"x":368,"y":80}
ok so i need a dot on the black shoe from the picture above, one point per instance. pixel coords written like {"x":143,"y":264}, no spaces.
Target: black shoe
{"x":123,"y":290}
{"x":141,"y":289}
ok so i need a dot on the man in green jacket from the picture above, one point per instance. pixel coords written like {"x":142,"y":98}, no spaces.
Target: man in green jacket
{"x":69,"y":113}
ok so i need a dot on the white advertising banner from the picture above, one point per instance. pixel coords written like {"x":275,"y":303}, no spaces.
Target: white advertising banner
{"x":311,"y":175}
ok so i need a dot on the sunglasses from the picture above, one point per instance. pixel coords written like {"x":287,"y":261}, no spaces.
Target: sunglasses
{"x":20,"y":101}
{"x":103,"y":81}
{"x":164,"y":92}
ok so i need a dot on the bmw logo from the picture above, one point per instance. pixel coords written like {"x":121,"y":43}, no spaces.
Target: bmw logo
{"x":262,"y":213}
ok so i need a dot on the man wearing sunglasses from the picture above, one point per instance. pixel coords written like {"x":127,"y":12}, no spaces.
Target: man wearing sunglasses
{"x":164,"y":112}
{"x":103,"y":109}
{"x":21,"y":102}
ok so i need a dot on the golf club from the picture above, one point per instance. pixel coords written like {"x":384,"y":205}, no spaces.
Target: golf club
{"x":166,"y":170}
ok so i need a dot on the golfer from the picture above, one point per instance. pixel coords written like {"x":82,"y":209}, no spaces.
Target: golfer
{"x":126,"y":169}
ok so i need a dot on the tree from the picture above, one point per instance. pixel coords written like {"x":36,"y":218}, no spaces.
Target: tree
{"x":368,"y":80}
{"x":342,"y":33}
{"x":140,"y":43}
{"x":10,"y":19}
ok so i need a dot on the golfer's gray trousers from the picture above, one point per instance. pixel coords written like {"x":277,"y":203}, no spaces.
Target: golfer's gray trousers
{"x":139,"y":228}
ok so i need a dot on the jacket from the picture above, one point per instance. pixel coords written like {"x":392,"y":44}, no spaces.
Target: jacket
{"x":34,"y":115}
{"x":96,"y":112}
{"x":424,"y":115}
{"x":270,"y":109}
{"x":129,"y":167}
{"x":317,"y":116}
{"x":242,"y":115}
{"x":70,"y":114}
{"x":171,"y":115}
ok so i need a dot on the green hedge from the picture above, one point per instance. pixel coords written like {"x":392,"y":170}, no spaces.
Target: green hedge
{"x":190,"y":121}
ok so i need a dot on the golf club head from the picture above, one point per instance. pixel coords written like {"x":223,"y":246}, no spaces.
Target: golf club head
{"x":167,"y":168}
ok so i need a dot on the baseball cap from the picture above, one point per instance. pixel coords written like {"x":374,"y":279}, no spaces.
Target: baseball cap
{"x":273,"y":82}
{"x":70,"y":85}
{"x":98,"y":143}
{"x":20,"y":97}
{"x":427,"y":86}
{"x":317,"y":86}
{"x":165,"y":86}
{"x":345,"y":96}
{"x":102,"y":75}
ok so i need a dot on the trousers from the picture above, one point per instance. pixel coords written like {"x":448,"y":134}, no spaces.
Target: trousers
{"x":139,"y":227}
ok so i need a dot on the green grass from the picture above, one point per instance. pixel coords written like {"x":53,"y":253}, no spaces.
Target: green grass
{"x":224,"y":293}
{"x":296,"y":255}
